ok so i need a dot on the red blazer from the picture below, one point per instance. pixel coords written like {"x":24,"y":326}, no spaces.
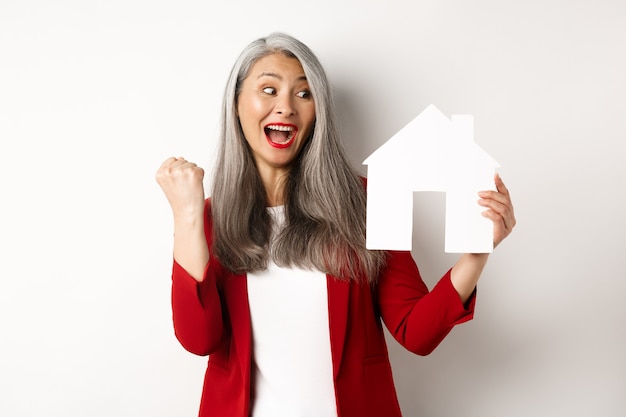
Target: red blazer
{"x":213,"y":318}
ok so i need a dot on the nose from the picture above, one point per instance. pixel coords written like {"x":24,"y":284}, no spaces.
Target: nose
{"x":284,"y":105}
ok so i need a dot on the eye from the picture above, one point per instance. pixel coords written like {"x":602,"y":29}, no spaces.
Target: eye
{"x":304,"y":94}
{"x":269,"y":90}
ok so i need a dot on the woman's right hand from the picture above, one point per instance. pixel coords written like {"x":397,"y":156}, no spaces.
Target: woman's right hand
{"x":181,"y":181}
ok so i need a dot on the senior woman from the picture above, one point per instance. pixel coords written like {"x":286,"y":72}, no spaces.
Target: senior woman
{"x":271,"y":277}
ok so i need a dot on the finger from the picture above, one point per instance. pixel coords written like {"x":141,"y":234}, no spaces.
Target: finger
{"x":500,"y":185}
{"x":500,"y":209}
{"x":495,"y":200}
{"x":502,"y":196}
{"x":168,"y":162}
{"x":500,"y":188}
{"x":494,"y":196}
{"x":165,"y":167}
{"x":173,"y":162}
{"x":500,"y":228}
{"x":179,"y":162}
{"x":173,"y":167}
{"x":181,"y":165}
{"x":500,"y":232}
{"x":504,"y":211}
{"x":498,"y":203}
{"x":499,"y":224}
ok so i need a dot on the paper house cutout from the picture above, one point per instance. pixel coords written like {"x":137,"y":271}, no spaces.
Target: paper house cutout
{"x":431,"y":153}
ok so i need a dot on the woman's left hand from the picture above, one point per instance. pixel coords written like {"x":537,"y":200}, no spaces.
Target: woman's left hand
{"x":499,"y":210}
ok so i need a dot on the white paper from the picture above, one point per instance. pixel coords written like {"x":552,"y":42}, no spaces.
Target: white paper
{"x":431,"y":153}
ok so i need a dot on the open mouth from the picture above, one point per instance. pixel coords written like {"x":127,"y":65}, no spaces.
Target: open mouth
{"x":280,"y":135}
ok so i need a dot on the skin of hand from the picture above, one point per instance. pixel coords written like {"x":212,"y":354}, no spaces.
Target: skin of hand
{"x":499,"y":210}
{"x":181,"y":181}
{"x":467,"y":270}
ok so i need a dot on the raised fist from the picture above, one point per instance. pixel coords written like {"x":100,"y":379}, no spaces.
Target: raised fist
{"x":181,"y":182}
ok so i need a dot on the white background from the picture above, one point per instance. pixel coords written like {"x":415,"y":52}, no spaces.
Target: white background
{"x":95,"y":94}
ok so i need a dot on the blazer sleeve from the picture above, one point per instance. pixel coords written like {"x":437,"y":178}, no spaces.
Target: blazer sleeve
{"x":197,"y":306}
{"x":417,"y":318}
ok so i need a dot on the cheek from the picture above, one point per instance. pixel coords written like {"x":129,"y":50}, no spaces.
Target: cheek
{"x":247,"y":121}
{"x":255,"y":107}
{"x":250,"y":110}
{"x":310,"y":120}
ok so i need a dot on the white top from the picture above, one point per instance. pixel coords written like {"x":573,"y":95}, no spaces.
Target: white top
{"x":292,"y":363}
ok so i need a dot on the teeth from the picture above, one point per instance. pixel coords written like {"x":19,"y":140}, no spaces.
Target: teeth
{"x":281,"y":128}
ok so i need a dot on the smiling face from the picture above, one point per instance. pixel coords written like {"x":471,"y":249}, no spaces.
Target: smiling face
{"x":276,"y":112}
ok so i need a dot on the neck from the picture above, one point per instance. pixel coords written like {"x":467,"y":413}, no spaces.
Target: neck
{"x":274,"y":184}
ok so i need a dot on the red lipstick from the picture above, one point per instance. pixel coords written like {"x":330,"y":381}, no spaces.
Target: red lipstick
{"x":280,"y":135}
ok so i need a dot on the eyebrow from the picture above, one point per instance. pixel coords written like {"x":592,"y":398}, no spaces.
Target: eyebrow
{"x":277,"y":76}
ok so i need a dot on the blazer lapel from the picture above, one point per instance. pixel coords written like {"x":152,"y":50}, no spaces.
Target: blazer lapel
{"x":236,"y":292}
{"x":338,"y":306}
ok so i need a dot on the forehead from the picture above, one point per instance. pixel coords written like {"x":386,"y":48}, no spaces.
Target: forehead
{"x":277,"y":65}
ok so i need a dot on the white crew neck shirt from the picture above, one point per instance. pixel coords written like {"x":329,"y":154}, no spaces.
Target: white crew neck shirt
{"x":291,"y":355}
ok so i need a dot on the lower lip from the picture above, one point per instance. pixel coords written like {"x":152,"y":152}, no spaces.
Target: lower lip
{"x":282,"y":145}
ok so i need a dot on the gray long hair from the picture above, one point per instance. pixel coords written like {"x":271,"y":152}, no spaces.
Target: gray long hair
{"x":324,"y":197}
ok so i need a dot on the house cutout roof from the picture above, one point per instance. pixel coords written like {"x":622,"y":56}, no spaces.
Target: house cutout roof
{"x":431,"y":153}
